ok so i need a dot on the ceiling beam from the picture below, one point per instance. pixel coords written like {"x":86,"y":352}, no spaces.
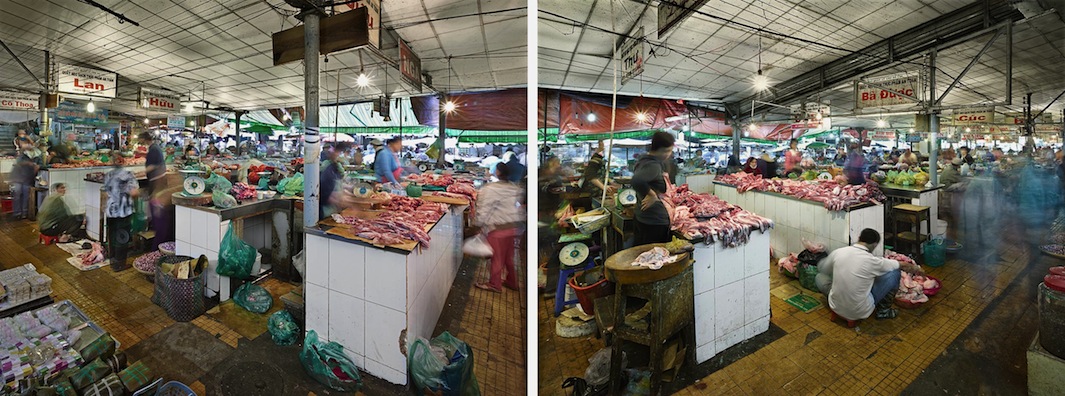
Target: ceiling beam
{"x":944,"y":31}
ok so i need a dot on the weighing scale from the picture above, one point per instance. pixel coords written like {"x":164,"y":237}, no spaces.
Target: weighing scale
{"x":573,"y":254}
{"x":194,"y":188}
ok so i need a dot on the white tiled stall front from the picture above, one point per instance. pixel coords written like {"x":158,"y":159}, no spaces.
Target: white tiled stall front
{"x":731,"y":293}
{"x":795,"y":219}
{"x":200,"y":230}
{"x":364,"y":297}
{"x":77,"y":187}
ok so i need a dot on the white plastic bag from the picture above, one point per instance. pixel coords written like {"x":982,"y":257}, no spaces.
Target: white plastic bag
{"x":477,"y":246}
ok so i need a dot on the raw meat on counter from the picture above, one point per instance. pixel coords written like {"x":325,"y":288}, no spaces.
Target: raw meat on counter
{"x":432,"y":179}
{"x":464,"y":188}
{"x":655,"y":258}
{"x":404,"y":221}
{"x":835,"y":196}
{"x":709,"y":217}
{"x":242,"y":191}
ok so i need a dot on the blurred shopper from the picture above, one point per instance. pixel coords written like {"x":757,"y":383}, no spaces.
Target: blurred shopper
{"x":909,"y":158}
{"x":55,"y":219}
{"x":858,"y":283}
{"x":1038,"y":198}
{"x":649,"y":180}
{"x":854,"y":167}
{"x":500,"y":217}
{"x":23,"y":176}
{"x":594,"y":172}
{"x":122,"y":190}
{"x":329,"y":180}
{"x":951,"y":174}
{"x":155,"y":163}
{"x":981,"y":218}
{"x":792,"y":157}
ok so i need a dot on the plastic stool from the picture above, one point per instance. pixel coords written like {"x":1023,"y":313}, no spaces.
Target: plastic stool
{"x":47,"y":240}
{"x":850,"y":323}
{"x":563,"y":278}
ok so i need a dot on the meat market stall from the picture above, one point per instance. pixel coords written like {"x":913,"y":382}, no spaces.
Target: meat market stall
{"x":920,"y":196}
{"x":262,"y":223}
{"x":807,"y":209}
{"x":731,"y":270}
{"x":377,"y":281}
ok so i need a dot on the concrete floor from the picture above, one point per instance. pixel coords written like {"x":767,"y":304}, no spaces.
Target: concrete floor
{"x":229,"y":353}
{"x":969,"y":339}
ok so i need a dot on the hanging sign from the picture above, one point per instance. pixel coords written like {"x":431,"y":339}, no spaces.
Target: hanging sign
{"x":85,"y":81}
{"x":74,"y":113}
{"x":373,"y":18}
{"x":339,"y":32}
{"x":972,"y":116}
{"x":175,"y":122}
{"x":631,"y":57}
{"x":908,"y":83}
{"x":19,"y":101}
{"x":410,"y":66}
{"x":672,"y":13}
{"x":913,"y":137}
{"x":883,"y":135}
{"x":158,"y":99}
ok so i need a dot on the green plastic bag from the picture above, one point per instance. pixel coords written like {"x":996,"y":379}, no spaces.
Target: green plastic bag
{"x":294,"y":186}
{"x":235,"y":257}
{"x":218,"y":183}
{"x":449,"y":374}
{"x":253,"y":298}
{"x":808,"y":277}
{"x":327,"y":364}
{"x":139,"y":222}
{"x":283,"y":328}
{"x":222,"y":200}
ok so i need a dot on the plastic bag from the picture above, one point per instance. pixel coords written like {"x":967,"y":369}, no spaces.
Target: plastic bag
{"x":808,"y":277}
{"x":235,"y":257}
{"x":598,"y":372}
{"x":253,"y":298}
{"x":299,"y":262}
{"x":222,"y":200}
{"x":813,"y":247}
{"x":328,"y":364}
{"x":294,"y":185}
{"x":477,"y":246}
{"x":448,"y":375}
{"x":283,"y":328}
{"x":140,"y":217}
{"x":218,"y":183}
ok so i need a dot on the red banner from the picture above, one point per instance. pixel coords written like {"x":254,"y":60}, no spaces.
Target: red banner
{"x":481,"y":111}
{"x":580,"y":113}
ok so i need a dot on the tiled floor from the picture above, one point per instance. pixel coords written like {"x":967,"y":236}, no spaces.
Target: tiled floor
{"x":818,"y":356}
{"x":492,"y":324}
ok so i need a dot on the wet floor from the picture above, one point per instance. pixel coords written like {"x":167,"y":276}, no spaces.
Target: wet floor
{"x":969,"y":339}
{"x":228,"y":351}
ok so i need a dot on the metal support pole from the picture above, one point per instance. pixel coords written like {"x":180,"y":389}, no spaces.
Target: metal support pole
{"x":1009,"y":63}
{"x":440,"y":161}
{"x":736,"y":132}
{"x":311,"y":140}
{"x":238,"y":113}
{"x":933,"y":121}
{"x":45,"y":126}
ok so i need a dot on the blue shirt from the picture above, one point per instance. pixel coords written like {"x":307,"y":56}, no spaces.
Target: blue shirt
{"x":384,"y":164}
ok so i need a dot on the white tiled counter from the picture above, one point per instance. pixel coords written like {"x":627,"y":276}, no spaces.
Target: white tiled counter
{"x":364,"y":297}
{"x":795,"y":219}
{"x":74,"y":178}
{"x":731,"y":293}
{"x":92,"y":208}
{"x":199,"y":230}
{"x":701,"y":183}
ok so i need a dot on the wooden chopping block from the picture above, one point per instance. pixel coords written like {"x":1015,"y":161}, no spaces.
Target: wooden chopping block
{"x":446,"y":200}
{"x":619,"y":268}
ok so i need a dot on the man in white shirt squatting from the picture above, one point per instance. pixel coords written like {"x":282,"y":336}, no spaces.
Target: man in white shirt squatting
{"x":858,"y":283}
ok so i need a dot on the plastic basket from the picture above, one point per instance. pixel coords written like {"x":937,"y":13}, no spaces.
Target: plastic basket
{"x":182,"y":299}
{"x":586,"y":295}
{"x":932,"y":291}
{"x":935,"y":252}
{"x":907,"y":304}
{"x":601,"y":219}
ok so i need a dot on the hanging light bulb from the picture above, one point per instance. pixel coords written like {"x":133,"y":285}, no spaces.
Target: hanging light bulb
{"x":641,"y":117}
{"x":967,"y":130}
{"x":911,"y":130}
{"x":761,"y":82}
{"x":188,"y":107}
{"x":449,"y":107}
{"x":881,"y":123}
{"x":363,"y":80}
{"x":753,"y":127}
{"x":591,"y":117}
{"x":193,"y":123}
{"x":146,"y":120}
{"x":286,"y":117}
{"x":91,"y":107}
{"x":818,"y":116}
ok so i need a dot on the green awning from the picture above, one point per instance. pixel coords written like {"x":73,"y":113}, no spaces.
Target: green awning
{"x":260,"y":129}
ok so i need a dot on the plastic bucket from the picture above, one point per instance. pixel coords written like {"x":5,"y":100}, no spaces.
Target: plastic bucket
{"x":935,"y":253}
{"x":941,"y":228}
{"x":586,"y":295}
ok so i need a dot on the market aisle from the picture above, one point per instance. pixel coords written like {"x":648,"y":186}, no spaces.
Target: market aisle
{"x":492,"y":324}
{"x":818,"y":356}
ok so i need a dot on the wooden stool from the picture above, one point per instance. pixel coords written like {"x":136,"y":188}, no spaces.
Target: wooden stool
{"x":835,"y":316}
{"x":911,"y":216}
{"x":669,"y":290}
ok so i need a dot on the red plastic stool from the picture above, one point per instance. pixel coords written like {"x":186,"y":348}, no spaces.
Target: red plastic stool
{"x":47,"y":240}
{"x":850,"y":323}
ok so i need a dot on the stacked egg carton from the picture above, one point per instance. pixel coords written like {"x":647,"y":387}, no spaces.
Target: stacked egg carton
{"x":23,"y":284}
